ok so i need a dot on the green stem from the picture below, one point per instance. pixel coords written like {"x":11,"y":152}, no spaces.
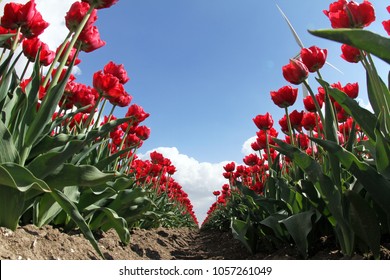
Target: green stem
{"x":318,"y":108}
{"x":268,"y":150}
{"x":91,"y":115}
{"x":56,"y":58}
{"x":71,"y":45}
{"x":290,"y":130}
{"x":25,"y":70}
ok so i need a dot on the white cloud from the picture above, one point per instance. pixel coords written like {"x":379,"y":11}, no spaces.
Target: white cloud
{"x":246,"y":147}
{"x":198,"y":179}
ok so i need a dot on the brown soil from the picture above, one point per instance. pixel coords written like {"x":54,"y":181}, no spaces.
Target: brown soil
{"x":48,"y":243}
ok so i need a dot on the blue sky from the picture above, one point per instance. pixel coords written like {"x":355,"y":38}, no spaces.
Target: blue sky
{"x":203,"y":69}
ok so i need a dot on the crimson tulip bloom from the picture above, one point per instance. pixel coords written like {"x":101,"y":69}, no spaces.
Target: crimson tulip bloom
{"x":25,"y":16}
{"x":296,"y":119}
{"x":90,"y":39}
{"x":263,"y":122}
{"x":106,"y":84}
{"x":351,"y":89}
{"x":308,"y":102}
{"x":230,"y":167}
{"x":143,"y":132}
{"x":137,"y":112}
{"x":314,"y":58}
{"x":101,"y":4}
{"x":285,"y":96}
{"x":309,"y":120}
{"x":251,"y":160}
{"x":76,"y":14}
{"x":117,"y":70}
{"x":343,"y":14}
{"x":295,"y":72}
{"x":216,"y":193}
{"x":350,"y":54}
{"x":31,"y":48}
{"x":284,"y":124}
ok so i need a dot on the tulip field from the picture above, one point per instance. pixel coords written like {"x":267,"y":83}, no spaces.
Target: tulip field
{"x":68,"y":160}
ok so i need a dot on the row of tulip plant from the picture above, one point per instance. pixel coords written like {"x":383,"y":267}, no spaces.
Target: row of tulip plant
{"x":329,"y":173}
{"x":63,"y":159}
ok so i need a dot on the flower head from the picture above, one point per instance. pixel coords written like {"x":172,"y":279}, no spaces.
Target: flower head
{"x":344,"y":14}
{"x":314,"y":58}
{"x":263,"y":122}
{"x":295,"y":72}
{"x":285,"y":96}
{"x":350,"y":54}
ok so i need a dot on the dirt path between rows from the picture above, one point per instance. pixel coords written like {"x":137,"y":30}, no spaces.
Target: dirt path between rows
{"x":48,"y":243}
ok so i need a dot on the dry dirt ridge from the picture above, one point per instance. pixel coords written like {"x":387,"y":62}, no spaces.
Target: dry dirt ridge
{"x":48,"y":243}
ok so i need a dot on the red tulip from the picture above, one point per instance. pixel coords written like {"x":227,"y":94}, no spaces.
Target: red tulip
{"x":101,"y":4}
{"x":296,"y":119}
{"x":386,"y":26}
{"x":107,"y":85}
{"x":284,"y":124}
{"x":31,"y":48}
{"x":90,"y":39}
{"x":263,"y":122}
{"x":76,"y":14}
{"x":230,"y":167}
{"x":309,"y":103}
{"x":116,"y":70}
{"x":309,"y":120}
{"x":343,"y":14}
{"x":295,"y":72}
{"x":314,"y":58}
{"x":216,"y":193}
{"x":285,"y":96}
{"x":24,"y":16}
{"x":251,"y":160}
{"x":352,"y":90}
{"x":350,"y":54}
{"x":137,"y":112}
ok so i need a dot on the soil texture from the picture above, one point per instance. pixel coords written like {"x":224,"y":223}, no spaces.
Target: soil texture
{"x":48,"y":243}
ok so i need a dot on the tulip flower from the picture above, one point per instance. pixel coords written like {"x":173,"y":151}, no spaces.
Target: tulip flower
{"x":350,"y":54}
{"x":314,"y":58}
{"x":295,"y":72}
{"x":76,"y":14}
{"x":343,"y":14}
{"x":263,"y":122}
{"x":285,"y":96}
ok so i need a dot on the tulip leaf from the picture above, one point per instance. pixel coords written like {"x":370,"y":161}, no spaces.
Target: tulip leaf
{"x":382,"y":154}
{"x":358,"y":38}
{"x":323,"y":184}
{"x":364,"y":222}
{"x":78,"y":175}
{"x":114,"y":221}
{"x":12,"y":203}
{"x":8,"y":151}
{"x":244,"y":231}
{"x":299,"y":226}
{"x":376,"y":184}
{"x":71,"y":209}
